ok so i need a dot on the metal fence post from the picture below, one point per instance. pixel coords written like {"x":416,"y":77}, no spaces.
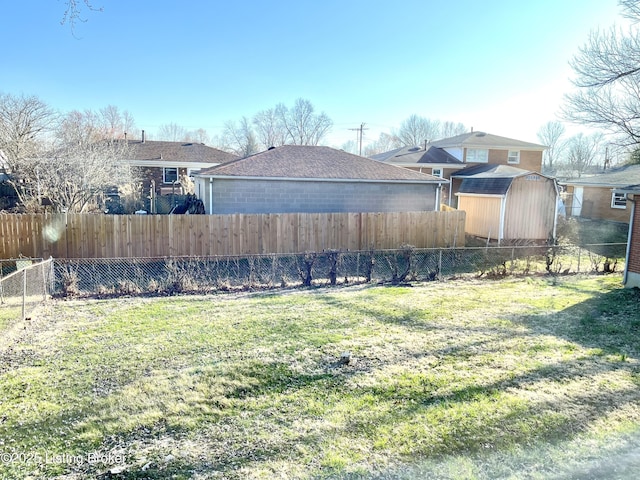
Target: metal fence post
{"x":24,"y":293}
{"x":579,"y":252}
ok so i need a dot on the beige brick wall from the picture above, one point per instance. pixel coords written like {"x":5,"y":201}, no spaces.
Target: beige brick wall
{"x":529,"y":160}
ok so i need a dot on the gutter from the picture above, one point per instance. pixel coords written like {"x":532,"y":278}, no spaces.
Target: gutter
{"x":439,"y":181}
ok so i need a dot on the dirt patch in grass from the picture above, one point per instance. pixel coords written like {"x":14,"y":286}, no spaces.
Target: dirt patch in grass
{"x":465,"y":379}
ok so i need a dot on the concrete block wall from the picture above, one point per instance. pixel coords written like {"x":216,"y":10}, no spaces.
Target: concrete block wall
{"x":290,"y":196}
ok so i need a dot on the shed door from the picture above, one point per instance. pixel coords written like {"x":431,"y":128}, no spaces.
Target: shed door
{"x":576,"y":204}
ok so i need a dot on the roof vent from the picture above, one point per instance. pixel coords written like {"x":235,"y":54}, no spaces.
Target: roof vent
{"x":271,"y":148}
{"x":480,"y":134}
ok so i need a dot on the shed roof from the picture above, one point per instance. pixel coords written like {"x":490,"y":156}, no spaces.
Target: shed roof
{"x":490,"y":179}
{"x":315,"y":162}
{"x":491,"y":170}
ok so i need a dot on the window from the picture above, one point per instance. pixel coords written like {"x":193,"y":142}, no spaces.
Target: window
{"x":436,"y":172}
{"x":618,"y":200}
{"x":477,"y":155}
{"x":514,"y":156}
{"x":169,"y":175}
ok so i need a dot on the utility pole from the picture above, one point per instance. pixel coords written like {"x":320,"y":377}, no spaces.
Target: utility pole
{"x":361,"y":129}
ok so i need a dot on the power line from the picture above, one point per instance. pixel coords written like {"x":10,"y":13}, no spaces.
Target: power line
{"x":361,"y":129}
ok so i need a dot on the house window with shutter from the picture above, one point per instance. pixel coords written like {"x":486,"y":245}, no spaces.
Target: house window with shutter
{"x":477,"y":155}
{"x":169,"y":175}
{"x":514,"y":156}
{"x":618,"y":200}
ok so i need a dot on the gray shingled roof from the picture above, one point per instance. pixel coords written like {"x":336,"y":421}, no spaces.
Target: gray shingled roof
{"x":432,"y":155}
{"x":635,"y":189}
{"x":616,"y":177}
{"x":314,"y":162}
{"x":485,"y":140}
{"x":387,"y":156}
{"x":177,"y":152}
{"x":489,"y":179}
{"x":416,"y":155}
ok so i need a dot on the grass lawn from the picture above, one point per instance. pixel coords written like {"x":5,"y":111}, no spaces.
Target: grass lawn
{"x":517,"y":378}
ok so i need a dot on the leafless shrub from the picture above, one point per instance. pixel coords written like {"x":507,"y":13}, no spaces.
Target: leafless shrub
{"x":333,"y":257}
{"x":405,"y":255}
{"x":179,"y":279}
{"x":305,"y":267}
{"x":128,"y":287}
{"x":70,"y":282}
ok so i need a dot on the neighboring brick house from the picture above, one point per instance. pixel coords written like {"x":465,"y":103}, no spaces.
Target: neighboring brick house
{"x":434,"y":161}
{"x":448,"y":156}
{"x":162,"y":164}
{"x":631,"y":193}
{"x":294,"y":178}
{"x":481,"y":147}
{"x":595,"y":197}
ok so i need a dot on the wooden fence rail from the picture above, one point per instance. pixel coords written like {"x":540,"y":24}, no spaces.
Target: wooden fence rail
{"x":112,"y":236}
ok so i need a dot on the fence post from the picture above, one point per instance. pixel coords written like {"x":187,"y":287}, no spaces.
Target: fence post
{"x":440,"y":265}
{"x":24,"y":293}
{"x":44,"y":282}
{"x":579,"y":252}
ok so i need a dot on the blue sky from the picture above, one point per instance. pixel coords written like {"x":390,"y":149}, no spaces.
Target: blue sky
{"x":499,"y":66}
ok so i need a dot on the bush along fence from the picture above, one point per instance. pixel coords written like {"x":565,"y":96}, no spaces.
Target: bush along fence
{"x":166,"y":276}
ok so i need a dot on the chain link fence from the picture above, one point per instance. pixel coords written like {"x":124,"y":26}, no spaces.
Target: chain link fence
{"x":24,"y":288}
{"x":162,"y":276}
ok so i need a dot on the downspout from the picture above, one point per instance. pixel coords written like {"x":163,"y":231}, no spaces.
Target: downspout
{"x":438,"y":192}
{"x":555,"y":216}
{"x":626,"y":259}
{"x":210,"y":195}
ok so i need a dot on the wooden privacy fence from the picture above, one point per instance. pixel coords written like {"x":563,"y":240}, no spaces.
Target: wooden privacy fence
{"x":112,"y":236}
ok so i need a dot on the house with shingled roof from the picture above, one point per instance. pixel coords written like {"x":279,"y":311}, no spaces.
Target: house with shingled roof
{"x":314,"y":179}
{"x":480,"y":147}
{"x":448,"y":156}
{"x":595,"y":196}
{"x":162,"y":164}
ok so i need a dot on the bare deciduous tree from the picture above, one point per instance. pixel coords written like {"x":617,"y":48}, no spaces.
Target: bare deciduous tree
{"x":172,"y":132}
{"x":199,"y":136}
{"x":550,"y":135}
{"x":73,"y":12}
{"x":384,"y":143}
{"x":299,"y":125}
{"x":451,"y":129}
{"x":67,"y":159}
{"x":270,"y":131}
{"x":239,"y":138}
{"x":583,"y":151}
{"x":607,"y":71}
{"x":74,"y":174}
{"x":302,"y":124}
{"x":25,"y":122}
{"x":417,"y":130}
